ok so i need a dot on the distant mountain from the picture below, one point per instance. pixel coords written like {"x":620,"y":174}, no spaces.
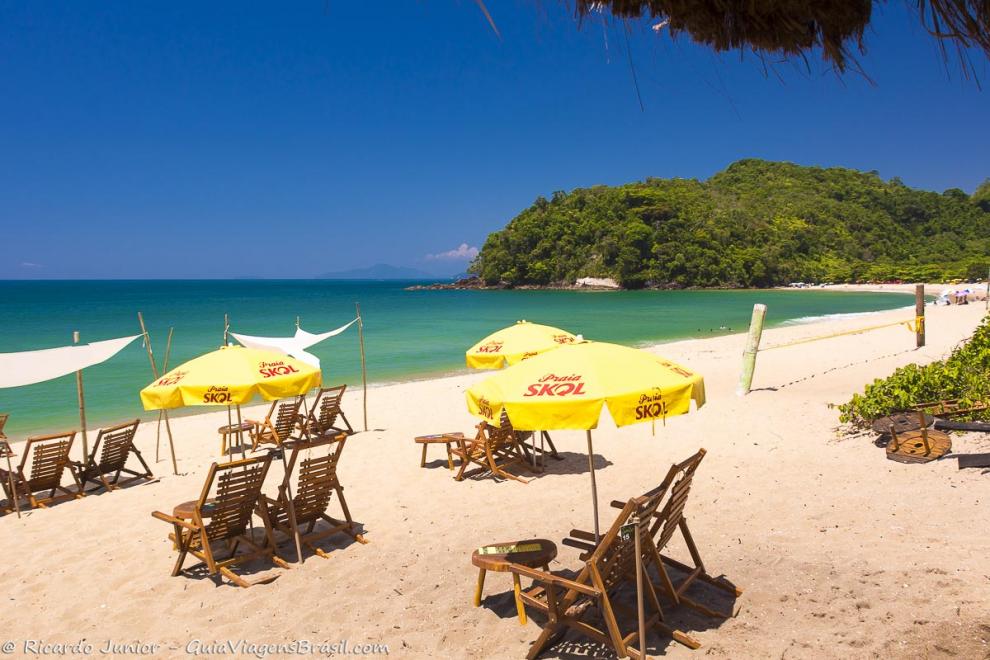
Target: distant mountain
{"x":378,"y":272}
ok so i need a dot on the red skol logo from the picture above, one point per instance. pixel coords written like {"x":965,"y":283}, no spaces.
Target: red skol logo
{"x":651,"y":406}
{"x":563,"y":339}
{"x":217,"y":395}
{"x":485,"y":408}
{"x":272,"y":369}
{"x":171,"y":379}
{"x":553,"y":385}
{"x":490,"y":347}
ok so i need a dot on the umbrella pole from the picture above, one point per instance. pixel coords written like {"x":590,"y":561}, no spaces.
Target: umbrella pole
{"x":640,"y":610}
{"x":240,"y":433}
{"x":171,"y":445}
{"x":594,"y":486}
{"x":82,"y":403}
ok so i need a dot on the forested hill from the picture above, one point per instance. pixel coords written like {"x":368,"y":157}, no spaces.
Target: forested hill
{"x":755,"y":224}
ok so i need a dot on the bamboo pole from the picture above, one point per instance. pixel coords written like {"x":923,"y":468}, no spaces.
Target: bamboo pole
{"x":752,"y":348}
{"x":594,"y":486}
{"x":226,"y":327}
{"x":82,"y":403}
{"x":640,"y":609}
{"x":919,"y":312}
{"x":154,"y":372}
{"x":986,"y":300}
{"x":163,"y":413}
{"x":364,"y":369}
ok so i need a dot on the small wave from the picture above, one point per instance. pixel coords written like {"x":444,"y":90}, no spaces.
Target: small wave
{"x":804,"y":320}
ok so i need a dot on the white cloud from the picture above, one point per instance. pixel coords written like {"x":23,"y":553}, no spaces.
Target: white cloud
{"x":30,"y":264}
{"x":462,"y":252}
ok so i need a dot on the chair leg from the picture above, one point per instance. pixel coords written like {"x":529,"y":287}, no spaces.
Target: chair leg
{"x":517,"y":591}
{"x":479,"y":587}
{"x":450,"y":457}
{"x":422,"y":460}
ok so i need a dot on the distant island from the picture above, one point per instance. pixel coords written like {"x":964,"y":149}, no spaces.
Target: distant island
{"x":755,"y":224}
{"x":378,"y":272}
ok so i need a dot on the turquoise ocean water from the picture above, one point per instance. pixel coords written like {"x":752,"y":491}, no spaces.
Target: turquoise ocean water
{"x":408,"y":334}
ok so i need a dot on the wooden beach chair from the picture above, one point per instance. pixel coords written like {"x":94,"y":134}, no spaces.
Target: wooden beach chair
{"x":494,"y":449}
{"x":300,"y":507}
{"x":223,"y":521}
{"x":117,"y":445}
{"x":278,"y":424}
{"x":668,"y":520}
{"x":49,"y":457}
{"x":568,"y":603}
{"x":322,"y":416}
{"x":7,"y":453}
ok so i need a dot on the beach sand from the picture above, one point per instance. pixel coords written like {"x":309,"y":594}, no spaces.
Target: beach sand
{"x":840,"y":552}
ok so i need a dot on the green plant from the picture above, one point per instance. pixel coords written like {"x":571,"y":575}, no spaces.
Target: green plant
{"x":964,"y":375}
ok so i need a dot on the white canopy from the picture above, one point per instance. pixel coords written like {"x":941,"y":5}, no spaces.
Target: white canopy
{"x":295,"y":346}
{"x":29,"y":367}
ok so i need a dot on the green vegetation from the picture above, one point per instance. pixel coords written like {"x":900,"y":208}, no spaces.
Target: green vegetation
{"x":965,"y":375}
{"x":755,"y":224}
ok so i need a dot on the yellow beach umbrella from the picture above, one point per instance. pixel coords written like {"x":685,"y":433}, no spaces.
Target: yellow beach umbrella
{"x":568,"y":387}
{"x":229,"y":376}
{"x":516,"y":343}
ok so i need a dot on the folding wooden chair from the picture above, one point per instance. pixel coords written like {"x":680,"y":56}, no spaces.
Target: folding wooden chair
{"x":669,"y":519}
{"x":322,"y":416}
{"x":49,"y":456}
{"x":305,"y":505}
{"x":493,"y":449}
{"x":7,"y":453}
{"x":278,"y":424}
{"x":117,"y":443}
{"x":223,"y":520}
{"x":611,"y":565}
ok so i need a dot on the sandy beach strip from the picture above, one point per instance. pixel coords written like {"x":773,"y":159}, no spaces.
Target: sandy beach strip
{"x":840,"y":552}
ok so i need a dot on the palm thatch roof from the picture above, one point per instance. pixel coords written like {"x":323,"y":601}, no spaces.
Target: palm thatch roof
{"x":796,"y":27}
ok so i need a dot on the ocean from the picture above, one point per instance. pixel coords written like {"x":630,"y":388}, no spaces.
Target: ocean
{"x":408,"y":334}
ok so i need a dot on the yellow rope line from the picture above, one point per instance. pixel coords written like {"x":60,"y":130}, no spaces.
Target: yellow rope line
{"x":910,"y":324}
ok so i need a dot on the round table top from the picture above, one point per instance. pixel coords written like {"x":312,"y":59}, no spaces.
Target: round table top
{"x":439,"y":437}
{"x":234,"y":428}
{"x":185,"y":510}
{"x":901,"y":422}
{"x":530,"y":552}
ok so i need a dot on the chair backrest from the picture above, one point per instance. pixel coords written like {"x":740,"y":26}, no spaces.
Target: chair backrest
{"x":50,"y":456}
{"x":285,"y":418}
{"x":326,"y":408}
{"x":678,"y":484}
{"x":501,"y":436}
{"x":3,"y":422}
{"x":317,"y":475}
{"x":616,"y":552}
{"x":237,"y":496}
{"x":116,"y":443}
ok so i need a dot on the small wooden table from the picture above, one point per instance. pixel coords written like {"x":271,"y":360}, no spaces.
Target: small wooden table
{"x":226,"y":431}
{"x":436,"y":439}
{"x":185,"y":510}
{"x":533,"y":553}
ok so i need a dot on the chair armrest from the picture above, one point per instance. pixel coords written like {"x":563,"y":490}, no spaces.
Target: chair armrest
{"x":253,"y":421}
{"x":580,"y":545}
{"x":172,"y":519}
{"x":583,"y":535}
{"x":550,"y":578}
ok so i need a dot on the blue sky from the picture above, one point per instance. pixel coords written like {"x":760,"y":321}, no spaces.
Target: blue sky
{"x":226,"y":139}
